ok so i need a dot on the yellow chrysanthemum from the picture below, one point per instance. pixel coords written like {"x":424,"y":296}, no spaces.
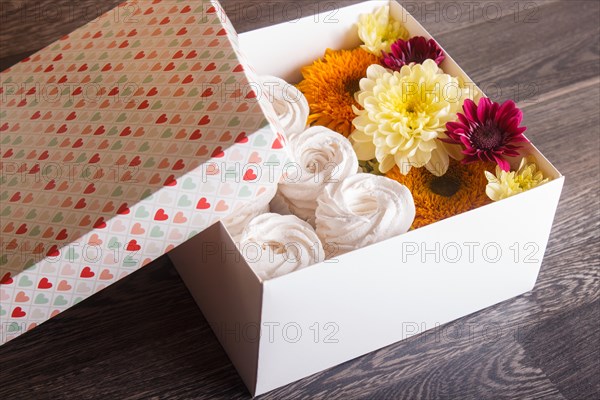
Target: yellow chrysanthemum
{"x":379,"y":31}
{"x":329,"y":85}
{"x":404,"y":113}
{"x":460,"y":190}
{"x":505,"y":184}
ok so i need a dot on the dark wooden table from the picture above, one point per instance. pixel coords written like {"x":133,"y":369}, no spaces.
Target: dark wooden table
{"x":144,"y":337}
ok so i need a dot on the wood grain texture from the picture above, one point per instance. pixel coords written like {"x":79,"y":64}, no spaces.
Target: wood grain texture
{"x":144,"y":338}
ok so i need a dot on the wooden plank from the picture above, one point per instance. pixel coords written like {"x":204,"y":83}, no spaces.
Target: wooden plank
{"x":144,"y":337}
{"x":523,"y":61}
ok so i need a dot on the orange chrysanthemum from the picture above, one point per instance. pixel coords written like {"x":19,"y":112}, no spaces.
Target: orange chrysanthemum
{"x":329,"y":85}
{"x":459,"y":190}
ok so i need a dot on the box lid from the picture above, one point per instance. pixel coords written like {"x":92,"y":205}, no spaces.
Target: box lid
{"x":119,"y":142}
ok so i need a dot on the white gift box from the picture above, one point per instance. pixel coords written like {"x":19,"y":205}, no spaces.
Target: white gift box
{"x":281,"y":330}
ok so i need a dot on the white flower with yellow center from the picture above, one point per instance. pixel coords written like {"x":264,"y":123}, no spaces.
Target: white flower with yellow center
{"x":379,"y":31}
{"x":505,"y":184}
{"x":404,"y":113}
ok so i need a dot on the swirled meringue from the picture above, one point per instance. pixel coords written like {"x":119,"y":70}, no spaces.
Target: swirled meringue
{"x":320,"y":157}
{"x":275,"y":245}
{"x":244,"y":213}
{"x":361,"y":210}
{"x":289,"y":103}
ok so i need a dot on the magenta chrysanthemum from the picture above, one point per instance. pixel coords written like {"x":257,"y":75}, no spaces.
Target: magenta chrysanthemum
{"x":488,"y":131}
{"x":415,"y":50}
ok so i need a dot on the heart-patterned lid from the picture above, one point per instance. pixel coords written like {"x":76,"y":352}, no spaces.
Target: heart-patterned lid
{"x":119,"y":142}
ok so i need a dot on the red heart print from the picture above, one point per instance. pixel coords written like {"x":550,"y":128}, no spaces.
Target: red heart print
{"x":18,"y":313}
{"x":80,"y":204}
{"x":100,"y":224}
{"x":179,"y":165}
{"x":90,"y":189}
{"x":50,"y":185}
{"x":249,"y":175}
{"x":160,"y":215}
{"x":6,"y":279}
{"x":170,"y":181}
{"x":242,"y":138}
{"x":218,"y":153}
{"x":53,"y":252}
{"x":133,"y":246}
{"x":196,"y":135}
{"x":205,"y":120}
{"x":135,"y":162}
{"x":277,"y":144}
{"x":123,"y":210}
{"x":87,"y":273}
{"x":44,"y":283}
{"x":203,"y":204}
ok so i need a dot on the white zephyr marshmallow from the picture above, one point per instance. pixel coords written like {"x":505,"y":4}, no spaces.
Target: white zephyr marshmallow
{"x":244,"y":213}
{"x":322,"y":157}
{"x":361,"y":210}
{"x":289,"y":103}
{"x":275,"y":245}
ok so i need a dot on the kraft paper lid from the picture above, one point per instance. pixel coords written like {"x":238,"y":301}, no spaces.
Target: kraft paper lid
{"x":121,"y":141}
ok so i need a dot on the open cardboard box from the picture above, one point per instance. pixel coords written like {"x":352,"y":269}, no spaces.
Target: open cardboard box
{"x":284,"y":329}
